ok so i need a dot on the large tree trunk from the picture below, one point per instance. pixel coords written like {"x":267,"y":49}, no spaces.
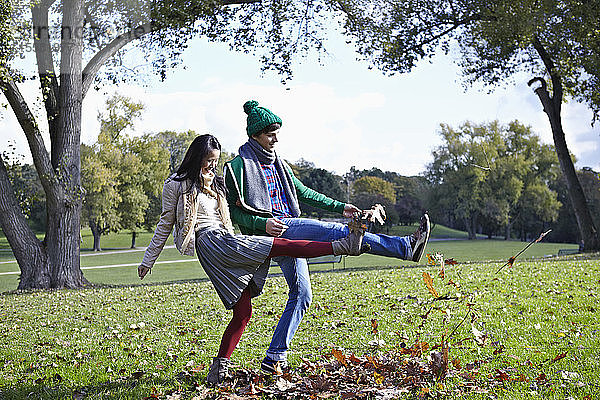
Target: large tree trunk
{"x":62,"y":238}
{"x":55,"y":262}
{"x":133,"y":237}
{"x":552,"y":107}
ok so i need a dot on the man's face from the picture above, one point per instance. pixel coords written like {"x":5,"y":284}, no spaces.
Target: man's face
{"x":267,"y":140}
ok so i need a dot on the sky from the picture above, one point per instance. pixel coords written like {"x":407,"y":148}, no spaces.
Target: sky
{"x":337,"y":115}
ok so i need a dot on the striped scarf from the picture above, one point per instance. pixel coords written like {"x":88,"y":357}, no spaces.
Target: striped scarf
{"x":255,"y":185}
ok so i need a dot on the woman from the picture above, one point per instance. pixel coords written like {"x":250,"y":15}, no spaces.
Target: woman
{"x":193,"y":202}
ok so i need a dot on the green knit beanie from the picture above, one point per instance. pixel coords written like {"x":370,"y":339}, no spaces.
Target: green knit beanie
{"x":258,"y":117}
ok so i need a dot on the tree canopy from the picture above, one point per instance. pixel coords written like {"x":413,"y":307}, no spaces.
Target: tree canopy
{"x":492,"y":40}
{"x":79,"y":44}
{"x":121,"y":174}
{"x":493,"y":175}
{"x":555,"y":41}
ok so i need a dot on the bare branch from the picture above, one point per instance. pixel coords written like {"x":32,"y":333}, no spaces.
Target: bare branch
{"x":94,"y":65}
{"x":27,"y":121}
{"x":455,"y":25}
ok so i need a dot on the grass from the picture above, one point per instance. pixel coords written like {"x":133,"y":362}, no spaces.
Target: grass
{"x":60,"y":345}
{"x":116,"y":252}
{"x":90,"y":344}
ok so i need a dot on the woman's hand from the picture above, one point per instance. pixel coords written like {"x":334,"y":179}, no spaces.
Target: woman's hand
{"x":142,"y":271}
{"x":208,"y":176}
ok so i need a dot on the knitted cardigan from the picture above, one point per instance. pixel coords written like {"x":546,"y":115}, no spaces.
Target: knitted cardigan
{"x":178,"y":205}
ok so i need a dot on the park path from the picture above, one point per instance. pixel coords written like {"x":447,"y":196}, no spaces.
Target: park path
{"x":105,"y":266}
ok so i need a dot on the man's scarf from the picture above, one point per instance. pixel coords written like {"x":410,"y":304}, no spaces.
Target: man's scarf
{"x":255,"y":183}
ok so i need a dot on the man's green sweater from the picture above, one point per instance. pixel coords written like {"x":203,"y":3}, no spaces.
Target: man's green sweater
{"x":253,"y":221}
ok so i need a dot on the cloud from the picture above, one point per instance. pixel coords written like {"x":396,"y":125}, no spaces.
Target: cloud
{"x":365,"y":126}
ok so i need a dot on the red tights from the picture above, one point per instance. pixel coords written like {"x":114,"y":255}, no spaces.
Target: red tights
{"x":300,"y":248}
{"x":242,"y":311}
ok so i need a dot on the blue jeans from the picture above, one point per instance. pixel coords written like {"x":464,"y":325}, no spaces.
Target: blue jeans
{"x":295,"y":271}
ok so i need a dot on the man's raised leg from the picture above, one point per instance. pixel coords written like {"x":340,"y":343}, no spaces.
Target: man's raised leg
{"x":312,"y":229}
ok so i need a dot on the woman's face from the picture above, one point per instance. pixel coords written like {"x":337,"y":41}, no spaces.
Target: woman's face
{"x":210,"y":161}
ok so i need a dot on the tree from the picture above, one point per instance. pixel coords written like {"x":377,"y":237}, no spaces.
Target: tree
{"x":143,"y":171}
{"x":101,"y":165}
{"x":320,"y":180}
{"x":566,"y":224}
{"x":554,"y":40}
{"x":121,"y":174}
{"x":273,"y":30}
{"x":177,"y":144}
{"x":375,"y":185}
{"x":99,"y":169}
{"x":491,"y":175}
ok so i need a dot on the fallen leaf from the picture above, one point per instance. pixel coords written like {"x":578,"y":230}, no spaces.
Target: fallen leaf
{"x":510,"y":262}
{"x":137,"y":374}
{"x":355,"y":359}
{"x":78,"y":395}
{"x":456,"y":363}
{"x":373,"y":361}
{"x":521,"y":378}
{"x":378,"y":378}
{"x":374,"y":325}
{"x":154,"y":395}
{"x":541,"y":378}
{"x":501,"y":376}
{"x":430,"y":259}
{"x":569,"y":375}
{"x":339,"y":355}
{"x":429,"y":284}
{"x":559,"y":357}
{"x":283,"y":384}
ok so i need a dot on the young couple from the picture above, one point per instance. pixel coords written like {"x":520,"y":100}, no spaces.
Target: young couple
{"x":261,"y":195}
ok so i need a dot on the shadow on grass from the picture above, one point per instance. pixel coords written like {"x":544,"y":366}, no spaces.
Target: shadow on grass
{"x":124,"y":388}
{"x":576,"y":257}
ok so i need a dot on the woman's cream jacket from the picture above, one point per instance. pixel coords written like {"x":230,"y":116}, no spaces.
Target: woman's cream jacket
{"x":178,"y":206}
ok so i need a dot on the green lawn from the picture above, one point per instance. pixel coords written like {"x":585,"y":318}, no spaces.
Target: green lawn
{"x":460,"y":250}
{"x":116,"y":252}
{"x":89,"y":344}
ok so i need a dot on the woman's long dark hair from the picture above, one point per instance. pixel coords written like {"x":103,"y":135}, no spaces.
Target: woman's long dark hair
{"x":192,"y":163}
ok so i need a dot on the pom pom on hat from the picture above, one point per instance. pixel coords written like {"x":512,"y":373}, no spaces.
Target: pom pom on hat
{"x":258,"y":117}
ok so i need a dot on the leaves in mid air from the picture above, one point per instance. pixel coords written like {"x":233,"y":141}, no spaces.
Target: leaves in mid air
{"x":429,"y":283}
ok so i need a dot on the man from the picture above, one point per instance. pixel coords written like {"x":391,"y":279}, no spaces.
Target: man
{"x":264,"y":195}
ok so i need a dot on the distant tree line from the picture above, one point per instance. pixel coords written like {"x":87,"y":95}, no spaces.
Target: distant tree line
{"x":491,"y":179}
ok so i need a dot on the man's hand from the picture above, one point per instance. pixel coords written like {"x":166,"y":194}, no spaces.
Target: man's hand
{"x":350,"y":210}
{"x":143,"y":271}
{"x":275,"y":227}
